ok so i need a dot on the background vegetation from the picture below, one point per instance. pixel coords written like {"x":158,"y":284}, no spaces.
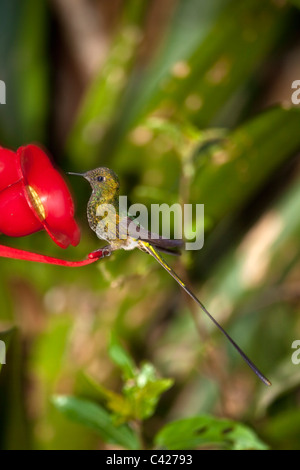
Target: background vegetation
{"x":188,"y":101}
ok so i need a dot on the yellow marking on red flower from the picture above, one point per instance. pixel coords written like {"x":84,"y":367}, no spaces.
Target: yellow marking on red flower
{"x":36,"y":202}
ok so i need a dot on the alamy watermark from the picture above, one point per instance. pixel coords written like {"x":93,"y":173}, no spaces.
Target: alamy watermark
{"x":2,"y":92}
{"x":296,"y":93}
{"x":188,"y":222}
{"x":296,"y":355}
{"x":2,"y":352}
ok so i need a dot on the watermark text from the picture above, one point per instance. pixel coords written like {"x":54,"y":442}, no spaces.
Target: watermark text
{"x":296,"y":355}
{"x":2,"y":92}
{"x":296,"y":94}
{"x":2,"y":352}
{"x":125,"y":222}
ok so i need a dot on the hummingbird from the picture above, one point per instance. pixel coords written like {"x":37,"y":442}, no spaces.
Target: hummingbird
{"x":110,"y":225}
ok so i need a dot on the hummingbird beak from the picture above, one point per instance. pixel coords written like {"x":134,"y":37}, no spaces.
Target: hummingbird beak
{"x":76,"y":174}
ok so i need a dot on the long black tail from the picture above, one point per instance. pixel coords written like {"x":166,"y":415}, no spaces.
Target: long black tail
{"x":153,"y":252}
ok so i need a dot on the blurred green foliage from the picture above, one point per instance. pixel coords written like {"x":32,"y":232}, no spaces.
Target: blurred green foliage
{"x":189,"y":101}
{"x":138,"y":403}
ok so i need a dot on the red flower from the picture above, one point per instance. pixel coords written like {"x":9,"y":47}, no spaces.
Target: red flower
{"x":34,"y":196}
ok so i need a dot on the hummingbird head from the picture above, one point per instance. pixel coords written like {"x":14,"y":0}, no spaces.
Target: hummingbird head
{"x":104,"y":182}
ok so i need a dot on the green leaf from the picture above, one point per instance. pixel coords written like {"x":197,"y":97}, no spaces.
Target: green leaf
{"x":201,"y":83}
{"x":190,"y":24}
{"x":142,"y":389}
{"x":100,"y":104}
{"x":259,"y":264}
{"x":141,"y":392}
{"x":121,"y":358}
{"x":202,"y":77}
{"x":98,"y":419}
{"x":206,"y":431}
{"x":88,"y":388}
{"x":243,"y":159}
{"x":23,"y":51}
{"x":144,"y":392}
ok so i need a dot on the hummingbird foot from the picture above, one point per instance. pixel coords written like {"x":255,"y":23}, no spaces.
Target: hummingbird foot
{"x":106,"y":251}
{"x":101,"y":253}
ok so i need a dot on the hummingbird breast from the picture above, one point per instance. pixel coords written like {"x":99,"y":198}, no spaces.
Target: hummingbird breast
{"x":92,"y":212}
{"x":104,"y":219}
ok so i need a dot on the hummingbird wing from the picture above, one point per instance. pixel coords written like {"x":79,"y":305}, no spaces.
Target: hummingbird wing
{"x":149,"y":248}
{"x":132,"y":229}
{"x":162,"y":243}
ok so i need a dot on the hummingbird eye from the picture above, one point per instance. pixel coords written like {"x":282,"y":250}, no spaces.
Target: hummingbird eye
{"x":101,"y":179}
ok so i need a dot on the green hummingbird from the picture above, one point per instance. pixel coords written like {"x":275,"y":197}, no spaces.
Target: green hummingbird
{"x":114,"y":227}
